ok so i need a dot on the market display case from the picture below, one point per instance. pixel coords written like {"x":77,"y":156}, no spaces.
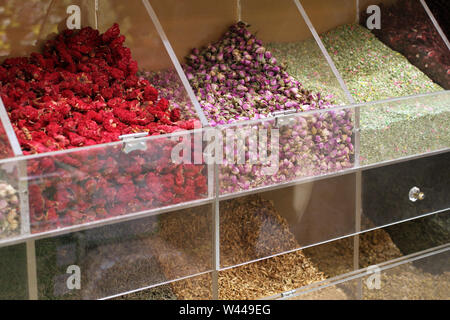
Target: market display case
{"x":234,"y":150}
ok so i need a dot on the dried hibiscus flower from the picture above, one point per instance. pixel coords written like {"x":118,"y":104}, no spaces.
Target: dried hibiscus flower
{"x":82,"y":90}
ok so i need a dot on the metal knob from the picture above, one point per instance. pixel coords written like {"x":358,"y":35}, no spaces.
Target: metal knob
{"x":415,"y":194}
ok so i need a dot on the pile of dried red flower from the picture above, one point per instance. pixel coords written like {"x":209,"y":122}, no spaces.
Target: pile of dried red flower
{"x":407,"y":29}
{"x":84,"y":90}
{"x":88,"y":185}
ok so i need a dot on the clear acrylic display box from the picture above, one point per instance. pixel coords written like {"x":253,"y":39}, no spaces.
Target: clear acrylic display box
{"x":326,"y":162}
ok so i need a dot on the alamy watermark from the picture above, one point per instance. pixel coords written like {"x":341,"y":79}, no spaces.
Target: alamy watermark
{"x":74,"y":280}
{"x":374,"y":20}
{"x":374,"y":279}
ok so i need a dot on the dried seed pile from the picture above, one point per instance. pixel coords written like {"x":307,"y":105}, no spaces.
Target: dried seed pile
{"x":113,"y":259}
{"x":426,"y":278}
{"x":165,"y":252}
{"x":421,"y":280}
{"x":120,"y":267}
{"x":251,"y":229}
{"x":293,"y":270}
{"x":183,"y":246}
{"x":9,"y":211}
{"x":120,"y":259}
{"x":183,"y":243}
{"x":269,"y":277}
{"x":410,"y":283}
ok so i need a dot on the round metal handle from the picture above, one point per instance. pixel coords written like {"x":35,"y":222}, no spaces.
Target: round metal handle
{"x":415,"y":194}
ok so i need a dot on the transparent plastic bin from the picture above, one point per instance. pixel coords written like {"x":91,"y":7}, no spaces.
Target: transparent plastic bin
{"x":126,"y":257}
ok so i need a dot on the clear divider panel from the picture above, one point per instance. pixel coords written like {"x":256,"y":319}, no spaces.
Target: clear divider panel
{"x":104,"y":182}
{"x":247,"y":59}
{"x":120,"y":258}
{"x":371,"y":69}
{"x":73,"y":75}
